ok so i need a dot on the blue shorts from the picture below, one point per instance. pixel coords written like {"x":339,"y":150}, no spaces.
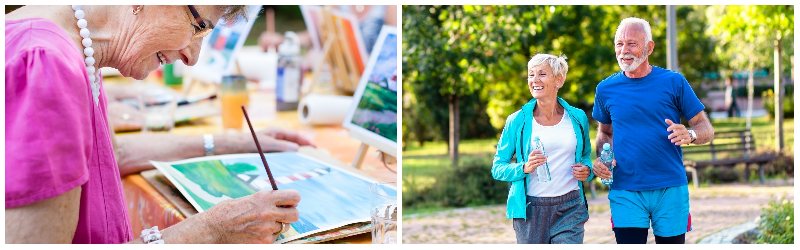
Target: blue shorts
{"x":666,"y":208}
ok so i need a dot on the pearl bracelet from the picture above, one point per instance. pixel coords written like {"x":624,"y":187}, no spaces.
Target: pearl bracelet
{"x":151,"y":236}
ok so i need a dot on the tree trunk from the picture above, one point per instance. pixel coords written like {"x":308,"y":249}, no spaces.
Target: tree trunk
{"x":749,"y":94}
{"x":672,"y":40}
{"x":778,"y":97}
{"x":454,"y":127}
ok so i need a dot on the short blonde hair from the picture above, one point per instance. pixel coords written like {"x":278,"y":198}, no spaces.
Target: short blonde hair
{"x":557,"y":63}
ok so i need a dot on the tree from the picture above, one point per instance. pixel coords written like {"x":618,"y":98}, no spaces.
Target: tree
{"x":450,"y":50}
{"x":747,"y":34}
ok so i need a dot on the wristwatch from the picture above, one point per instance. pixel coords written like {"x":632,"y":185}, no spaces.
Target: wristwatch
{"x":208,"y":144}
{"x":692,"y":135}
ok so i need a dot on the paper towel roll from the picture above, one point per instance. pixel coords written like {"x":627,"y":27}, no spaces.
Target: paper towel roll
{"x":324,"y":109}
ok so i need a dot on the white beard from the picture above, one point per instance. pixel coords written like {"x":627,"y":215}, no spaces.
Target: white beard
{"x":637,"y":61}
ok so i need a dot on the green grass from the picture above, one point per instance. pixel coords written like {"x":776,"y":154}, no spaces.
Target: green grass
{"x":470,"y":146}
{"x":422,"y":164}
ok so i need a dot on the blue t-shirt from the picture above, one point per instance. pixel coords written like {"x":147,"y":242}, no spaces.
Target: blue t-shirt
{"x":636,"y":109}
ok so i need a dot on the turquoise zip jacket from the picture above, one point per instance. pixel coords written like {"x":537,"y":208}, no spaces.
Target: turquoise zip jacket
{"x":515,"y":139}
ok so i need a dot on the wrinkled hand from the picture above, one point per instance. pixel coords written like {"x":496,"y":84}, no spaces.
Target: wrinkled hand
{"x":679,"y":134}
{"x":282,"y":140}
{"x":600,"y":169}
{"x":253,"y":219}
{"x":123,"y":117}
{"x":580,"y":172}
{"x":535,"y":159}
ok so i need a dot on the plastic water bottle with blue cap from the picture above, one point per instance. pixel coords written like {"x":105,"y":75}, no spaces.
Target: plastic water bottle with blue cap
{"x":606,"y":157}
{"x":542,"y":172}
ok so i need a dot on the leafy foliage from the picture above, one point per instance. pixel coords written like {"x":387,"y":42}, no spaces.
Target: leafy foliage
{"x":745,"y":33}
{"x":481,"y":52}
{"x":469,"y":185}
{"x":777,"y":223}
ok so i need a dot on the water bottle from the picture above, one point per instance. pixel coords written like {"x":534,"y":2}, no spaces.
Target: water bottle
{"x":542,"y":172}
{"x":606,"y":156}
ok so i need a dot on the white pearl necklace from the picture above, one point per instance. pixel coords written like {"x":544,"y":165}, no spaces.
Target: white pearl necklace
{"x":88,"y":53}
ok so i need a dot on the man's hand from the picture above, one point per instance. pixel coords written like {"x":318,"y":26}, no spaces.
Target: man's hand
{"x":600,"y":169}
{"x":679,"y":134}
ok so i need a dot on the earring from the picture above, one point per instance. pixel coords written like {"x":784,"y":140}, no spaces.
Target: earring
{"x":137,"y":10}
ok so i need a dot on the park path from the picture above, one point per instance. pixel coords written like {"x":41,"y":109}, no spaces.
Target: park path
{"x":713,"y":209}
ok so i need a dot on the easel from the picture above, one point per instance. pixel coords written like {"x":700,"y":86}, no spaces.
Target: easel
{"x":386,"y":158}
{"x":337,"y":53}
{"x":360,"y":154}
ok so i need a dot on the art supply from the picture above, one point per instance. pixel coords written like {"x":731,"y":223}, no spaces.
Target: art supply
{"x":159,"y":110}
{"x":233,"y":94}
{"x":287,"y":89}
{"x":372,"y":116}
{"x":269,"y":69}
{"x":187,"y":101}
{"x":260,"y":152}
{"x":173,"y":74}
{"x":324,"y":109}
{"x":333,"y":198}
{"x":219,"y":49}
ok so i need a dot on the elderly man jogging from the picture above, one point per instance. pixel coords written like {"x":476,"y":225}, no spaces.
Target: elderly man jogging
{"x":639,"y":111}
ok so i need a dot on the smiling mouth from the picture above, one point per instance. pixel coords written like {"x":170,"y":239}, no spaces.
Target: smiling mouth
{"x":161,"y":58}
{"x":538,"y":87}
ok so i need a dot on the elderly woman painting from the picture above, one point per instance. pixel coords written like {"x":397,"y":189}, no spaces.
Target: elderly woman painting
{"x":62,"y":180}
{"x":554,"y":210}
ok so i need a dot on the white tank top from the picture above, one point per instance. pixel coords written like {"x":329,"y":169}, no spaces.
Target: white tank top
{"x":559,"y":146}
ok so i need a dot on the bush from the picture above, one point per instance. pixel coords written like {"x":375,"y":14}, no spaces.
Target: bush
{"x":777,"y":223}
{"x":719,"y":175}
{"x":769,"y":104}
{"x":471,"y":184}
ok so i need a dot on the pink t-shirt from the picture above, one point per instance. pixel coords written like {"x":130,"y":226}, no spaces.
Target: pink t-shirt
{"x":56,"y":137}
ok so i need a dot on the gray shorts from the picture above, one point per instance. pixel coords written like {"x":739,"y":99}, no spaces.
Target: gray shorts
{"x":553,"y":220}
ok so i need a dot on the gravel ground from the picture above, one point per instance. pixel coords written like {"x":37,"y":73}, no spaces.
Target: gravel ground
{"x":713,"y":209}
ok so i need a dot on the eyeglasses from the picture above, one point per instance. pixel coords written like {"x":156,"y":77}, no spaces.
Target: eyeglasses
{"x":203,"y":27}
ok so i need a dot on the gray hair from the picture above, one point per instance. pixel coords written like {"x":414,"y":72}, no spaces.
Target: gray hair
{"x":231,"y":13}
{"x":638,"y":21}
{"x":557,"y":63}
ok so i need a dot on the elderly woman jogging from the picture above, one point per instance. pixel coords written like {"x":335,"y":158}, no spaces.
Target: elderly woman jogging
{"x":546,"y":198}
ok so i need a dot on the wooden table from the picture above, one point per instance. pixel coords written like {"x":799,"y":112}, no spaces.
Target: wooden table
{"x":149,"y":206}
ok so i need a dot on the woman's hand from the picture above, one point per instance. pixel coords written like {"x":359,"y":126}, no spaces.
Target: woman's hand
{"x":286,"y":136}
{"x":535,"y":159}
{"x":580,"y":172}
{"x":255,"y":218}
{"x":123,"y":117}
{"x":272,"y":140}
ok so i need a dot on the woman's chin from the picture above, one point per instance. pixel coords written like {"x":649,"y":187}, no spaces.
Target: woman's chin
{"x":139,"y":74}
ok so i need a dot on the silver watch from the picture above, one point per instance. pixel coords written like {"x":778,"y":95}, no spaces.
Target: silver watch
{"x":208,"y":144}
{"x":692,"y":135}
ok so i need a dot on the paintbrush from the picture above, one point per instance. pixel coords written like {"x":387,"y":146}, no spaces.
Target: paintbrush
{"x":258,"y":145}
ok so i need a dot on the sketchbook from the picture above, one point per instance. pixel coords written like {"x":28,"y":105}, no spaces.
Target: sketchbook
{"x":331,"y":198}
